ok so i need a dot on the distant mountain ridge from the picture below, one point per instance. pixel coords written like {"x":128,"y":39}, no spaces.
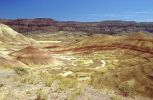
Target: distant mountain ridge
{"x":51,"y":25}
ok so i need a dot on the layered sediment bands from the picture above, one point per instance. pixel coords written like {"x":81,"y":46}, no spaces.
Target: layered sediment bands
{"x":9,"y":36}
{"x":33,"y":56}
{"x":128,"y":58}
{"x":108,"y":47}
{"x":9,"y":62}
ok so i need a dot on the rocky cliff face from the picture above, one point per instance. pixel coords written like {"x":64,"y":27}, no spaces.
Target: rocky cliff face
{"x":50,"y":25}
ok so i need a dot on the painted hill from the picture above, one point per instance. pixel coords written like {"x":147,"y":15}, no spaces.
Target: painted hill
{"x":126,"y":61}
{"x":33,"y":56}
{"x":9,"y":36}
{"x":139,"y":39}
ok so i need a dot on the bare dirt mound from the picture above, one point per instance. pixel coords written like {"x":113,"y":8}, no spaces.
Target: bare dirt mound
{"x":33,"y":56}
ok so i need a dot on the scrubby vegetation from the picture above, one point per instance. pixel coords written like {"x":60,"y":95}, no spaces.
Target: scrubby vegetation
{"x":21,"y":70}
{"x":127,"y":88}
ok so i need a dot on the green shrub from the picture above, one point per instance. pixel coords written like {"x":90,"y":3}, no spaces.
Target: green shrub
{"x":67,"y":83}
{"x":115,"y":97}
{"x":47,"y":78}
{"x":20,"y":70}
{"x":127,"y":88}
{"x":40,"y":95}
{"x":38,"y":77}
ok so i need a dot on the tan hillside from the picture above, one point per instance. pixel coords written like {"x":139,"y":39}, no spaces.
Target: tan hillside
{"x":9,"y":36}
{"x":143,"y":39}
{"x":129,"y":61}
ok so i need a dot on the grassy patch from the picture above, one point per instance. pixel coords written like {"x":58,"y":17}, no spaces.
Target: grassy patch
{"x":95,"y":80}
{"x":47,"y":79}
{"x":66,"y":83}
{"x":38,"y":77}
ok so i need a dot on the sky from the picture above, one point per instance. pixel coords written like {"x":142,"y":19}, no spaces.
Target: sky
{"x":79,"y":10}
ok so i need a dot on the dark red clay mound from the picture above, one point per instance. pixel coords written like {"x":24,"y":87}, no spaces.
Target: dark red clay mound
{"x":33,"y":56}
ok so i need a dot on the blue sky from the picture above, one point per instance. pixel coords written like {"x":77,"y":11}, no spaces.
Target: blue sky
{"x":78,"y":10}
